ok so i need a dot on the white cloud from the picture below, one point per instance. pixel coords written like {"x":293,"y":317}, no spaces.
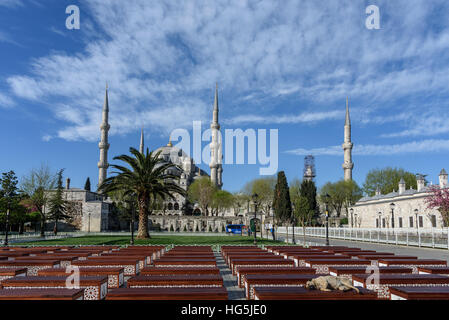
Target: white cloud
{"x":304,"y":117}
{"x":424,"y":146}
{"x":6,"y":101}
{"x":11,"y":3}
{"x":162,"y":59}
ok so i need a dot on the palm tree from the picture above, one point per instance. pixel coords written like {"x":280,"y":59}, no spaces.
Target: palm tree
{"x":147,"y":179}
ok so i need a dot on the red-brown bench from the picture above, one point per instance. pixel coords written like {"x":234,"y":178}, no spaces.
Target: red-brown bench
{"x":7,"y":273}
{"x":178,"y":280}
{"x":274,"y":280}
{"x":322,"y":265}
{"x":95,"y":287}
{"x":115,"y":275}
{"x":185,"y":263}
{"x":64,"y":260}
{"x":42,"y":294}
{"x":130,"y":266}
{"x":301,"y":293}
{"x":433,"y":270}
{"x":268,"y":263}
{"x":387,"y":280}
{"x":419,"y":293}
{"x":347,"y":272}
{"x":414,"y":264}
{"x":241,"y":272}
{"x":32,"y":266}
{"x":300,"y":260}
{"x":178,"y":270}
{"x":206,"y":293}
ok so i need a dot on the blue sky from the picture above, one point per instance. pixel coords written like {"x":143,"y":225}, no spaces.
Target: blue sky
{"x":285,"y":65}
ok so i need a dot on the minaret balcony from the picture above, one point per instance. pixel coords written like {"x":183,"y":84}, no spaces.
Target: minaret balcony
{"x":348,"y":165}
{"x":105,"y":126}
{"x":103,"y":145}
{"x":103,"y":165}
{"x":347,"y":145}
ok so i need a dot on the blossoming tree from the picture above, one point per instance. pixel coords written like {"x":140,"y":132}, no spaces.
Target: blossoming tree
{"x":439,"y":199}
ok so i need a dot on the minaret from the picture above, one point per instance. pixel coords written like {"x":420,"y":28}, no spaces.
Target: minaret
{"x":216,"y":156}
{"x":347,"y":147}
{"x":141,"y":142}
{"x":104,"y":145}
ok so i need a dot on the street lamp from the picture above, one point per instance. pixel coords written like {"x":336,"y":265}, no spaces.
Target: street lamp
{"x":327,"y":196}
{"x":416,"y":215}
{"x":352,"y":217}
{"x":392,"y":205}
{"x":255,"y":196}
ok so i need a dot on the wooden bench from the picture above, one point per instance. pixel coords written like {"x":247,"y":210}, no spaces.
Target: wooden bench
{"x":179,"y":270}
{"x":141,"y":258}
{"x":206,"y":293}
{"x":243,"y":271}
{"x":347,"y":272}
{"x":178,"y":280}
{"x":375,"y":258}
{"x":301,"y":293}
{"x":300,"y":260}
{"x":42,"y":294}
{"x":433,"y":270}
{"x":7,"y":273}
{"x":267,"y":263}
{"x":115,"y":275}
{"x":419,"y":293}
{"x":322,"y":265}
{"x":414,"y":264}
{"x":131,"y":267}
{"x":274,"y":280}
{"x":64,"y":260}
{"x":95,"y":287}
{"x":185,"y":263}
{"x":232,"y":257}
{"x":388,"y":280}
{"x":79,"y":255}
{"x":32,"y":266}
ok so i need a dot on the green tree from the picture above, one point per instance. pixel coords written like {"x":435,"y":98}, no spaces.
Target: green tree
{"x":37,"y":185}
{"x":57,"y":204}
{"x":264,"y":188}
{"x":352,"y":192}
{"x":240,"y":201}
{"x":87,"y":184}
{"x":387,"y":180}
{"x":147,"y":179}
{"x":202,"y":192}
{"x":302,"y":213}
{"x":281,"y":202}
{"x":336,"y":199}
{"x":9,"y":196}
{"x":308,"y":190}
{"x":222,"y":200}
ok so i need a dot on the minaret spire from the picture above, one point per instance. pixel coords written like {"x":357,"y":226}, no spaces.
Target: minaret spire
{"x":348,"y":165}
{"x":104,"y":145}
{"x":141,"y":147}
{"x":215,"y":146}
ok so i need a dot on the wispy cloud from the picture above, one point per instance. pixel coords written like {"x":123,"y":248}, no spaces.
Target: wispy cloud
{"x":304,"y":117}
{"x":162,"y":59}
{"x":6,"y":101}
{"x":11,"y":3}
{"x":430,"y":145}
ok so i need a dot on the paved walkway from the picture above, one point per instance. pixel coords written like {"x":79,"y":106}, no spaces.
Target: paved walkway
{"x":229,"y":281}
{"x":423,"y":253}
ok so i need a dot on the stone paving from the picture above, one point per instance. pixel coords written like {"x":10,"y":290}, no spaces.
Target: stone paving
{"x":229,"y":281}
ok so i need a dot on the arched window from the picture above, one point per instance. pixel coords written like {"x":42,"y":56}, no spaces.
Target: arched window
{"x":170,"y":206}
{"x":176,"y":206}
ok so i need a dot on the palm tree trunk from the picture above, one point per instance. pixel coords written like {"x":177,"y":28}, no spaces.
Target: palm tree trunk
{"x":142,"y":232}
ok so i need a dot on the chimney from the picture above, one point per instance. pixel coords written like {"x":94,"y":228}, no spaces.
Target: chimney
{"x":443,"y":178}
{"x":67,"y":183}
{"x":420,"y":182}
{"x":401,"y":186}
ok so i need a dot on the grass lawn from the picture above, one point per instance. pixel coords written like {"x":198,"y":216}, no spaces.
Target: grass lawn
{"x":156,"y":239}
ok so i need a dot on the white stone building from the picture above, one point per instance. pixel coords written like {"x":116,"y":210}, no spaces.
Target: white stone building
{"x":399,"y":209}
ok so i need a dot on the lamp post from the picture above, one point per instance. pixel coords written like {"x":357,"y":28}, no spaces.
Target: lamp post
{"x":255,"y":196}
{"x":352,"y":217}
{"x":327,"y":196}
{"x":392,"y":205}
{"x":8,"y":196}
{"x":416,"y":219}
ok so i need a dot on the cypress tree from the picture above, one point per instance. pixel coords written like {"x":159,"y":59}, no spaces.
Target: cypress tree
{"x":308,"y":190}
{"x":87,"y":184}
{"x":281,"y":203}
